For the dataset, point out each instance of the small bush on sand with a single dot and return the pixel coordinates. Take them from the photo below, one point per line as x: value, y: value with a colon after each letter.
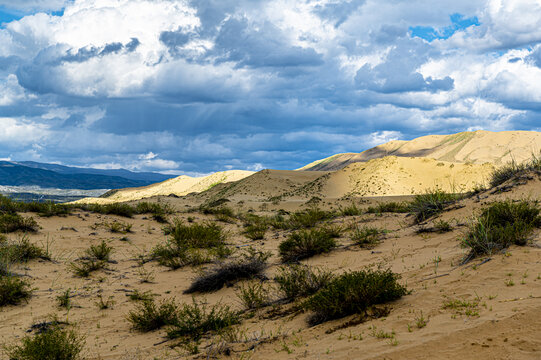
x: 351, y: 210
x: 13, y: 290
x: 48, y: 209
x: 297, y: 281
x: 253, y: 295
x: 307, y: 218
x: 389, y: 207
x: 11, y: 222
x: 255, y: 231
x: 101, y: 252
x: 195, y: 320
x: 502, y: 224
x: 306, y: 243
x: 86, y: 267
x: 366, y: 236
x: 148, y: 316
x: 354, y: 293
x: 54, y: 343
x: 432, y: 203
x: 192, y: 244
x: 512, y: 169
x: 250, y: 264
x: 21, y: 250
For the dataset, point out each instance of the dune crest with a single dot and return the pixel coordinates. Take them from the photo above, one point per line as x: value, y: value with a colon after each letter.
x: 476, y: 147
x: 179, y: 186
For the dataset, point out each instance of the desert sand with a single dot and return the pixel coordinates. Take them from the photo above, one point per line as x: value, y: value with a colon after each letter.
x: 505, y: 323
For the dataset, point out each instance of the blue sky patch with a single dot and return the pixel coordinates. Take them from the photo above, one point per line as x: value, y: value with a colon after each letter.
x: 458, y: 23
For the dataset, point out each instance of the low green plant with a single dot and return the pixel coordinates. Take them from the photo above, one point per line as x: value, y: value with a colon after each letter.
x: 148, y: 316
x: 366, y: 236
x: 442, y: 226
x: 119, y: 227
x: 253, y: 295
x: 354, y: 293
x: 192, y: 244
x: 351, y: 210
x: 430, y: 204
x: 195, y: 320
x: 250, y: 264
x: 101, y: 252
x: 86, y: 267
x: 389, y: 207
x: 64, y: 299
x: 296, y: 281
x: 21, y: 250
x: 513, y: 169
x: 11, y: 222
x: 13, y: 290
x: 255, y: 231
x: 306, y: 243
x: 137, y: 295
x: 55, y: 343
x: 502, y: 224
x: 104, y: 304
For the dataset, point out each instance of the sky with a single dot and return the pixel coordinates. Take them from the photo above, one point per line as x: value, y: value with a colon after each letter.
x: 193, y: 87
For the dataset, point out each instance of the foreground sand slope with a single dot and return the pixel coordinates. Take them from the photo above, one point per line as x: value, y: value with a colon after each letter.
x: 476, y: 147
x: 179, y: 186
x: 504, y: 323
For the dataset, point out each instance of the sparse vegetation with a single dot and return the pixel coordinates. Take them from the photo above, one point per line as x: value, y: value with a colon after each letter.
x: 54, y: 343
x: 86, y: 267
x: 64, y: 299
x: 249, y: 264
x: 306, y: 243
x: 13, y: 290
x: 295, y: 281
x: 502, y: 224
x: 512, y: 169
x: 148, y: 316
x: 192, y: 244
x: 195, y: 320
x: 432, y: 203
x: 21, y: 250
x: 389, y: 207
x: 351, y: 210
x: 253, y: 295
x: 354, y: 293
x: 366, y: 236
x: 101, y: 252
x: 11, y: 222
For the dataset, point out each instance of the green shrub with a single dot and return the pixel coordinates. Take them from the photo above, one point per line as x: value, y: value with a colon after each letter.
x: 148, y: 316
x: 307, y: 218
x: 47, y: 209
x: 389, y: 207
x: 15, y: 222
x: 366, y: 236
x: 255, y: 231
x: 13, y: 290
x: 253, y: 295
x: 195, y: 320
x: 432, y: 203
x: 21, y: 250
x: 64, y: 299
x: 354, y: 293
x: 193, y: 244
x: 306, y: 243
x: 512, y: 169
x: 250, y: 264
x: 351, y: 210
x: 54, y: 343
x: 502, y: 224
x: 296, y: 281
x: 158, y: 211
x: 137, y: 295
x: 101, y: 252
x: 86, y: 267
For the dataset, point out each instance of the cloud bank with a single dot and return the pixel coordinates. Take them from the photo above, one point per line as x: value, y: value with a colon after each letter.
x: 208, y: 85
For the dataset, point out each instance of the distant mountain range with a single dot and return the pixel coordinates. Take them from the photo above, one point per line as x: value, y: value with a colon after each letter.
x: 29, y: 173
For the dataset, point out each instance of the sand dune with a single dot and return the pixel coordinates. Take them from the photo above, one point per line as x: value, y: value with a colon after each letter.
x: 476, y: 147
x: 392, y: 176
x: 179, y: 186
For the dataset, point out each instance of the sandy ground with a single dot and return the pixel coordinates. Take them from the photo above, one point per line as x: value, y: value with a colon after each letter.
x: 507, y: 325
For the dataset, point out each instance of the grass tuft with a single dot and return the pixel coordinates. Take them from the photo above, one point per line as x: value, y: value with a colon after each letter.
x: 502, y: 224
x: 296, y: 281
x: 354, y: 293
x: 306, y: 243
x: 54, y: 343
x: 148, y: 316
x: 250, y: 264
x: 430, y: 204
x: 13, y: 290
x: 366, y: 236
x: 11, y: 222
